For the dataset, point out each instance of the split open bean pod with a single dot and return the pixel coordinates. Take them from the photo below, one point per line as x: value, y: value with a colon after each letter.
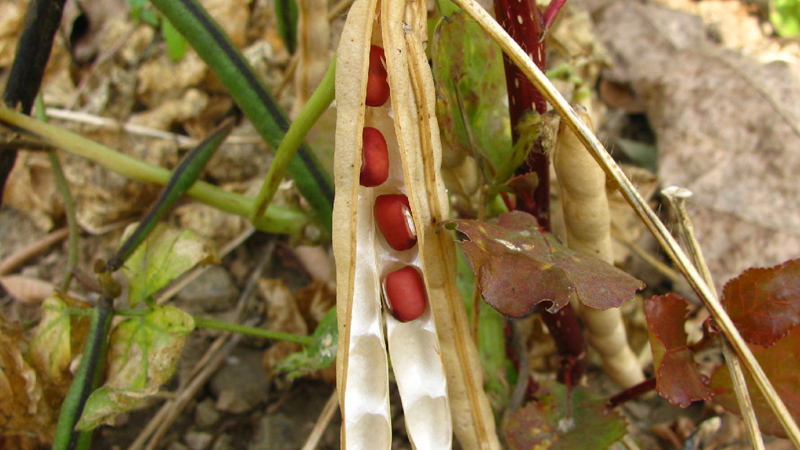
x: 396, y: 286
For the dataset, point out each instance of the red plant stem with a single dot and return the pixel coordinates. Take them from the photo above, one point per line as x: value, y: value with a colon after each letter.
x: 523, y: 21
x: 567, y: 333
x: 632, y: 392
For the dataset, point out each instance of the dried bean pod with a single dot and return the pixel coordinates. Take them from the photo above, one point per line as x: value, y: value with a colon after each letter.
x: 418, y: 137
x: 362, y: 371
x: 588, y: 226
x: 360, y: 258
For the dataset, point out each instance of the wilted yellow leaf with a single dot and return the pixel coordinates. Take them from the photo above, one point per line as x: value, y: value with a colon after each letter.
x: 142, y: 355
x: 49, y: 351
x: 163, y: 256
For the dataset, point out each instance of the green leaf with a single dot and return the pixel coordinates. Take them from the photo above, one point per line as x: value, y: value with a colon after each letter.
x: 472, y: 103
x: 142, y: 355
x: 641, y: 154
x: 785, y: 17
x: 286, y: 15
x: 530, y: 127
x: 491, y: 338
x: 137, y: 3
x: 319, y: 355
x: 562, y: 420
x: 162, y: 257
x: 326, y: 338
x: 149, y: 17
x: 136, y: 8
x: 176, y: 43
x: 106, y: 402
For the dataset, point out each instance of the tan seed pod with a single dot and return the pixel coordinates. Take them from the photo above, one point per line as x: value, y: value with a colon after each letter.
x: 588, y: 226
x: 420, y: 348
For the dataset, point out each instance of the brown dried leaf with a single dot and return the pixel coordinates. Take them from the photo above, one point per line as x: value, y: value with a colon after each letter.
x: 11, y: 15
x: 764, y: 303
x: 28, y: 290
x: 519, y: 266
x: 23, y: 408
x: 679, y: 380
x: 31, y: 188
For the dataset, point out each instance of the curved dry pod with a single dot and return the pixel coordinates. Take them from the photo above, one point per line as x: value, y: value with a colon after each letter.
x: 588, y: 226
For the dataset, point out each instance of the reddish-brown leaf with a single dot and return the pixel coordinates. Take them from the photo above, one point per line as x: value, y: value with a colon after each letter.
x: 677, y: 377
x: 558, y: 421
x: 519, y: 266
x: 764, y: 304
x: 781, y: 364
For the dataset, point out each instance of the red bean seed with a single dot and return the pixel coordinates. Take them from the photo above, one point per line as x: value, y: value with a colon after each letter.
x: 405, y: 295
x: 377, y: 85
x: 374, y: 158
x: 393, y: 216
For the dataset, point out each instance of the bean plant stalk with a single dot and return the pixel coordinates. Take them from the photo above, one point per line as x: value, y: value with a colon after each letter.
x: 524, y: 22
x: 642, y: 209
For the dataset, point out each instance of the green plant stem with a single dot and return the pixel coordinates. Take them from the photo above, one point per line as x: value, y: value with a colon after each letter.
x: 233, y: 71
x: 252, y: 331
x: 218, y: 325
x: 72, y: 223
x: 277, y: 219
x: 311, y: 112
x: 85, y: 381
x: 69, y: 205
x: 183, y: 177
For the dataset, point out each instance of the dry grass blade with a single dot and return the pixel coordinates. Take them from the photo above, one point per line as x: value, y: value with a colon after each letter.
x: 324, y: 419
x: 648, y: 216
x: 677, y: 198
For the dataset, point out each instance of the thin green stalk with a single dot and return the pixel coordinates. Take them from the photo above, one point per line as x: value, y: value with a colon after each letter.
x: 311, y: 112
x: 222, y: 326
x: 252, y: 331
x: 279, y: 220
x: 230, y: 67
x: 69, y: 205
x: 86, y: 380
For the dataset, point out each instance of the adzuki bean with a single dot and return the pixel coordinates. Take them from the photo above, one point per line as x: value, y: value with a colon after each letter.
x: 374, y: 158
x: 404, y: 292
x: 377, y: 84
x: 393, y: 216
